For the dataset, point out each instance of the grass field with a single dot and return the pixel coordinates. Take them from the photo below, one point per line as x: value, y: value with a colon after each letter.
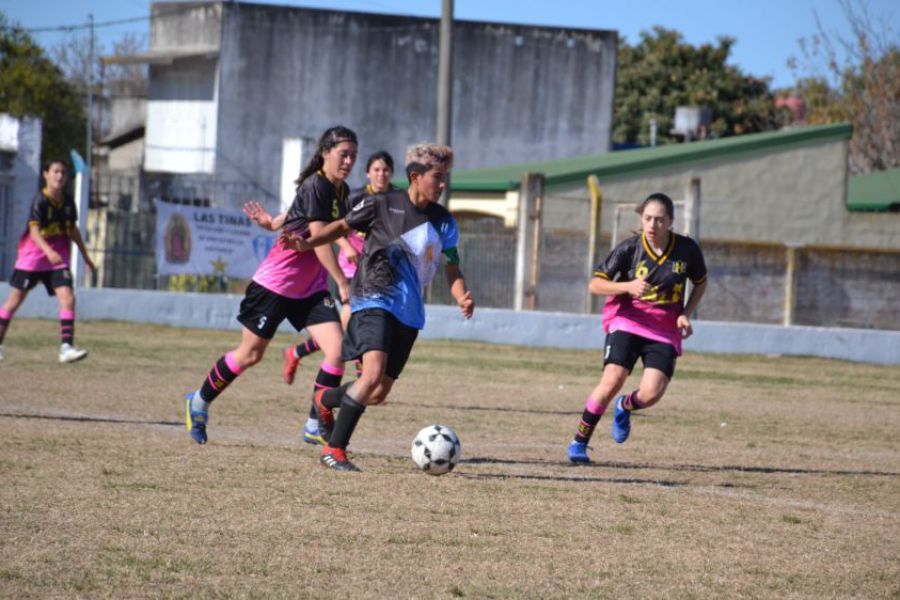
x: 755, y: 477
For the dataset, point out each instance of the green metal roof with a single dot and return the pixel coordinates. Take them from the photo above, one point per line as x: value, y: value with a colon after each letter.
x: 875, y: 191
x: 626, y: 162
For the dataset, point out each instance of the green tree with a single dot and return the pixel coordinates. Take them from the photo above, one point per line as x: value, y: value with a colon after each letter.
x: 663, y: 72
x: 31, y: 85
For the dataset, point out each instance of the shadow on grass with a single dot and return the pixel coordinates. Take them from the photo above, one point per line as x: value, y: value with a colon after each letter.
x: 680, y: 468
x: 626, y: 481
x: 84, y: 419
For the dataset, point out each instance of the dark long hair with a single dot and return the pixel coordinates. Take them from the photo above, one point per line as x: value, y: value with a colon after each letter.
x: 662, y: 199
x: 383, y: 155
x: 331, y: 138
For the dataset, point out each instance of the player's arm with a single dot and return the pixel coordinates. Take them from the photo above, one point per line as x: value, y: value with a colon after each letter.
x: 326, y: 256
x: 602, y: 285
x: 261, y: 216
x: 34, y: 232
x: 457, y: 284
x: 75, y: 234
x: 350, y: 252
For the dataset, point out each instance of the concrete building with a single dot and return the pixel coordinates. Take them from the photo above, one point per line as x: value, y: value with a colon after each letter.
x: 239, y: 92
x: 20, y: 171
x: 785, y: 240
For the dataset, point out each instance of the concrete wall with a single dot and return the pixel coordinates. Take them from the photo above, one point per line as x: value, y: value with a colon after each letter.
x: 185, y: 25
x: 520, y: 93
x: 489, y: 325
x: 22, y: 181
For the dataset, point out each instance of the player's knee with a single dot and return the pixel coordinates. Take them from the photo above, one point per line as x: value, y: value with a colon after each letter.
x: 250, y: 358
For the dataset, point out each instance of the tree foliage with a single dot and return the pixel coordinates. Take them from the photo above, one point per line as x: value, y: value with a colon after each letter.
x: 856, y: 80
x: 662, y: 72
x: 31, y: 85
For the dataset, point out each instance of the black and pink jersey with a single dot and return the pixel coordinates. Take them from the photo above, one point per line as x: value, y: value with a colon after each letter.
x: 54, y: 221
x: 402, y: 253
x: 299, y: 274
x: 654, y: 315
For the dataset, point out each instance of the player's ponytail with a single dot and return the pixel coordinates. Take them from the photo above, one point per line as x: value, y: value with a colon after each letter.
x: 331, y: 138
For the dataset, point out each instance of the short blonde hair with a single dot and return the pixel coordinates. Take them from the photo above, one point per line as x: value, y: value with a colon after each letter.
x: 430, y: 155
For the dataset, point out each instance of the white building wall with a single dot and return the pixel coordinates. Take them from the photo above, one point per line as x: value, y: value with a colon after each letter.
x: 182, y: 117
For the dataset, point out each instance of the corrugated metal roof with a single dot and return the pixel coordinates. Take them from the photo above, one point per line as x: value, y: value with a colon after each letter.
x: 874, y: 191
x: 627, y: 162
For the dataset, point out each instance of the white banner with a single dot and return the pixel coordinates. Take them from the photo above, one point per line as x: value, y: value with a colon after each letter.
x: 208, y: 241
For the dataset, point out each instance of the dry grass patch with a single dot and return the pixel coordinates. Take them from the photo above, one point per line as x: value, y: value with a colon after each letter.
x: 755, y: 477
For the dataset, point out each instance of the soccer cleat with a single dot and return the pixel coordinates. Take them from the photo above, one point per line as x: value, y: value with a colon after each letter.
x: 578, y: 452
x: 621, y: 422
x: 195, y: 420
x: 326, y: 416
x: 69, y: 353
x: 312, y: 436
x: 336, y: 458
x: 289, y: 365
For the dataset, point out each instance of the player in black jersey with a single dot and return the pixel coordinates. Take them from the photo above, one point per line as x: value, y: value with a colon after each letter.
x: 44, y: 254
x: 645, y: 316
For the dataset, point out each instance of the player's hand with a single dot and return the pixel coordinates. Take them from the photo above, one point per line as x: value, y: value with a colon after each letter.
x: 258, y: 214
x: 292, y: 241
x: 54, y: 257
x: 466, y: 305
x: 637, y: 287
x: 344, y: 291
x: 684, y: 326
x: 351, y: 255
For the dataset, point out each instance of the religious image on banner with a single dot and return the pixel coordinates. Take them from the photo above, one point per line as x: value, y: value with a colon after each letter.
x: 208, y: 241
x: 178, y: 240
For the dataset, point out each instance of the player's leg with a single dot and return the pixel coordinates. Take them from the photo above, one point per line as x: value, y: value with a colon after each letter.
x: 345, y: 322
x: 619, y: 357
x: 67, y: 351
x: 328, y: 335
x: 659, y: 366
x: 7, y: 312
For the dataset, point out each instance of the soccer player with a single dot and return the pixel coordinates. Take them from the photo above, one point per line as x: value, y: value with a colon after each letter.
x: 644, y: 316
x: 43, y: 257
x: 291, y: 285
x: 406, y: 232
x: 379, y: 170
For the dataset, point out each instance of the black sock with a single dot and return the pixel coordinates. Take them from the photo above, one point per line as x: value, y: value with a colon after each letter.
x: 4, y: 325
x: 67, y: 330
x: 332, y: 398
x: 306, y: 348
x: 219, y: 378
x: 348, y: 416
x: 589, y: 420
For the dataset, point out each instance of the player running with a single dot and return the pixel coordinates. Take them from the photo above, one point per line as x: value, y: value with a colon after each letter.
x: 291, y: 285
x: 406, y: 231
x: 43, y: 257
x: 379, y: 170
x: 644, y: 316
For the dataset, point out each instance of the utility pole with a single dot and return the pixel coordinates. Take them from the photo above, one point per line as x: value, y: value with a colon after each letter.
x: 445, y: 83
x: 90, y: 101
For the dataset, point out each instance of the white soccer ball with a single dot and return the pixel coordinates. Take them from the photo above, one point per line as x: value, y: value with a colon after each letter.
x: 435, y: 449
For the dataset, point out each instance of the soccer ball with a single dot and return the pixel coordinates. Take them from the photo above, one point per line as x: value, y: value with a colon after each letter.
x: 435, y: 449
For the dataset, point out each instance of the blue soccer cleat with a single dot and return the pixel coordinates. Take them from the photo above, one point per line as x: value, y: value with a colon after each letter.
x: 621, y: 422
x: 578, y: 452
x: 312, y: 436
x: 195, y: 420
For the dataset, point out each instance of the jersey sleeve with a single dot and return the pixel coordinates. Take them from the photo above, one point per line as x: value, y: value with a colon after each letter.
x: 315, y: 201
x: 38, y: 214
x: 617, y: 263
x: 363, y: 214
x: 696, y: 270
x: 449, y: 233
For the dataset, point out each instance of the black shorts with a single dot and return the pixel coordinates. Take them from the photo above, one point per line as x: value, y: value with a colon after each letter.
x: 262, y: 310
x: 623, y: 349
x: 25, y: 280
x: 377, y: 329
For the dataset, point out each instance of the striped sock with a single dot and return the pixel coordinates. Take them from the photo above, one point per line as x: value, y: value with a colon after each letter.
x: 593, y: 410
x: 306, y: 348
x: 220, y: 377
x: 67, y: 326
x: 5, y: 318
x: 631, y: 402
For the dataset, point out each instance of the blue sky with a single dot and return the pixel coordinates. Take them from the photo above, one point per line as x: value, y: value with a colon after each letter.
x: 767, y: 31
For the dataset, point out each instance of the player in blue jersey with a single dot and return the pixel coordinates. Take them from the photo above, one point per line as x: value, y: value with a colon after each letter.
x: 645, y: 316
x: 406, y: 232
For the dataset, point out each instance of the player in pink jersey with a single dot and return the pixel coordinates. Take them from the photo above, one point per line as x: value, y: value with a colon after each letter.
x: 291, y: 285
x: 44, y: 253
x: 379, y: 170
x: 645, y: 316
